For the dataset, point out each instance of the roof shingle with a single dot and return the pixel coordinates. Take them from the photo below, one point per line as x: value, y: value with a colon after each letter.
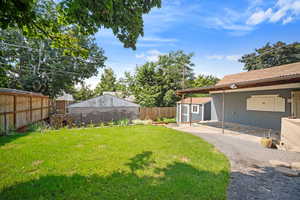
x: 272, y: 72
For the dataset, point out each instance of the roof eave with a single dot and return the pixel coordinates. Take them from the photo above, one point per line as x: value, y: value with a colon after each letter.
x: 246, y: 84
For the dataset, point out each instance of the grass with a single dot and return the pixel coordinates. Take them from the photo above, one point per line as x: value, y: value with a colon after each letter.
x: 133, y: 162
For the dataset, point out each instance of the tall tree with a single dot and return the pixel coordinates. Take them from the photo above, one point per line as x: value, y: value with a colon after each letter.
x: 82, y: 93
x: 203, y: 80
x: 124, y: 18
x: 270, y: 55
x: 34, y: 65
x: 125, y: 85
x: 107, y: 82
x: 155, y: 83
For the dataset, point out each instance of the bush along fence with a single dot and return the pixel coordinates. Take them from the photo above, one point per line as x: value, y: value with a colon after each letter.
x: 155, y: 113
x: 20, y: 108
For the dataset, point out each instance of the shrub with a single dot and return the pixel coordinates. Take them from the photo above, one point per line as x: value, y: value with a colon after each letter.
x: 169, y: 120
x: 123, y: 122
x: 39, y: 127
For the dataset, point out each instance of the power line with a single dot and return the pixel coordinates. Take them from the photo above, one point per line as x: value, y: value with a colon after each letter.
x: 49, y: 71
x: 37, y: 49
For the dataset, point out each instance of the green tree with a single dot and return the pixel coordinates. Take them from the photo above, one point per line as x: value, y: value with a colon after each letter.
x: 204, y: 81
x: 82, y: 93
x: 107, y: 82
x: 270, y: 55
x: 43, y: 18
x: 34, y: 65
x: 125, y: 85
x: 155, y: 83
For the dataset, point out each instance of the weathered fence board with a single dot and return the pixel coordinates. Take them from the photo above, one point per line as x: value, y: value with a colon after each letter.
x: 155, y: 113
x: 20, y: 108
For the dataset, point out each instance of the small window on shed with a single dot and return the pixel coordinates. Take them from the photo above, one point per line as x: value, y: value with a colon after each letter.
x: 195, y: 109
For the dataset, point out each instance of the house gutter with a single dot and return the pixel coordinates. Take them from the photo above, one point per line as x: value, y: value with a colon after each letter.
x: 295, y: 78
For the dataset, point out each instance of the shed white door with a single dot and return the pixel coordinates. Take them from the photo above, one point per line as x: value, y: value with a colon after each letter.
x: 296, y: 104
x: 186, y: 113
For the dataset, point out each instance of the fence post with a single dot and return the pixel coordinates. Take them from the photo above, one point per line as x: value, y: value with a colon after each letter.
x: 30, y: 107
x: 42, y: 108
x: 5, y: 124
x: 15, y: 111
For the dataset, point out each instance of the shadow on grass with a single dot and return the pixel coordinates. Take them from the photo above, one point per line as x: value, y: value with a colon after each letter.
x: 4, y: 139
x: 175, y: 181
x: 9, y: 138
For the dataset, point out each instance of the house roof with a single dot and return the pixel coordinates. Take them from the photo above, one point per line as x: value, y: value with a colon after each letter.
x: 65, y: 97
x: 104, y: 101
x: 195, y: 100
x: 272, y: 72
x: 283, y: 74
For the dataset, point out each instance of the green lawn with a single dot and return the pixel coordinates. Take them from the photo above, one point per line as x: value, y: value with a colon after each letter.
x: 134, y: 162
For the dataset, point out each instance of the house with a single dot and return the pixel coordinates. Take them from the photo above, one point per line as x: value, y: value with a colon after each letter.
x: 103, y: 108
x: 258, y: 98
x: 62, y: 103
x: 193, y: 109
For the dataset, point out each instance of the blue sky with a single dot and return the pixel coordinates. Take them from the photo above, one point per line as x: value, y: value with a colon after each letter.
x: 218, y: 32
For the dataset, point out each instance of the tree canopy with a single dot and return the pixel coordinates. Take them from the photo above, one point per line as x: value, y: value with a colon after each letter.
x: 204, y: 81
x: 155, y: 83
x: 107, y: 82
x: 44, y: 18
x: 82, y: 93
x: 270, y: 55
x: 34, y: 65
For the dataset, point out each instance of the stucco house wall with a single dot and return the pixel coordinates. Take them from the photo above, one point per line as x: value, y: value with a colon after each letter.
x: 236, y: 109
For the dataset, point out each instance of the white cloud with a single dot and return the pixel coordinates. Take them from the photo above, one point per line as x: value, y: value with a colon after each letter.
x: 215, y: 57
x: 284, y: 11
x: 151, y: 55
x: 235, y: 57
x: 259, y: 16
x: 158, y: 39
x: 287, y: 20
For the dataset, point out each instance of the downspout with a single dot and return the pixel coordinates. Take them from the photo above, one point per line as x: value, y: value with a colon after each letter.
x: 223, y: 111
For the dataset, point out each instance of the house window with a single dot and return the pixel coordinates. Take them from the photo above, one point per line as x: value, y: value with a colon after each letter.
x: 195, y: 109
x: 270, y: 103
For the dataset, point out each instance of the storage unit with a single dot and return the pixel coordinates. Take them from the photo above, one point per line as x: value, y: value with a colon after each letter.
x: 193, y: 109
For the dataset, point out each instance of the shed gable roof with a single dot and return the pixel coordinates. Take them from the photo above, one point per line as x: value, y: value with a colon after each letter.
x: 104, y: 101
x: 195, y: 100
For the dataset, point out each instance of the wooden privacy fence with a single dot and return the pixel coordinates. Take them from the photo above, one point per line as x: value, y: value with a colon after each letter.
x: 20, y: 108
x: 155, y: 113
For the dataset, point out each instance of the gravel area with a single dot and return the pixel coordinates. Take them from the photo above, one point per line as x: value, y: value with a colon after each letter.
x: 252, y: 176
